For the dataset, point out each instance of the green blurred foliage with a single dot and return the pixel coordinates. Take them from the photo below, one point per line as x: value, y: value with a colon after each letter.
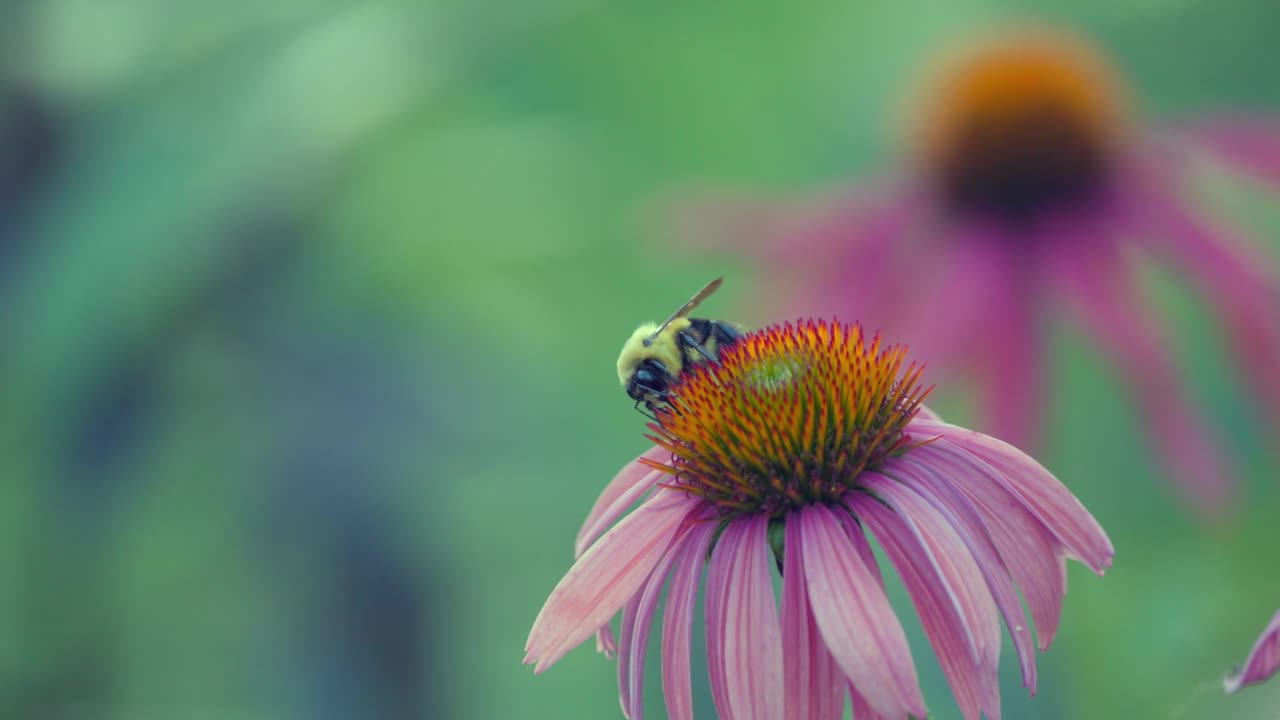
x: 309, y: 311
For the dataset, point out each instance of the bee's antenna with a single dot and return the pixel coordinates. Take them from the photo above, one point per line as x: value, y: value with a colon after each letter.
x: 687, y: 308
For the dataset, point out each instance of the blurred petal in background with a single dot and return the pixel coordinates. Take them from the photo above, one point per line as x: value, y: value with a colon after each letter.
x: 1029, y: 185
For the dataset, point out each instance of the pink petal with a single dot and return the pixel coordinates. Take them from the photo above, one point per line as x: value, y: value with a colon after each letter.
x: 1029, y: 549
x: 940, y: 491
x: 605, y: 644
x: 632, y: 481
x: 1250, y: 144
x: 814, y: 686
x: 749, y: 638
x: 631, y: 661
x: 678, y: 619
x: 854, y: 532
x: 855, y: 618
x: 1263, y: 660
x: 1238, y: 278
x: 629, y: 613
x: 719, y: 571
x: 1100, y: 285
x: 945, y: 585
x: 1009, y: 357
x: 862, y: 709
x: 960, y: 280
x: 605, y: 577
x: 1049, y: 500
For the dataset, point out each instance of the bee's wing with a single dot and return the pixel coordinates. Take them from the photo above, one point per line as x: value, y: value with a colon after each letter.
x: 688, y: 307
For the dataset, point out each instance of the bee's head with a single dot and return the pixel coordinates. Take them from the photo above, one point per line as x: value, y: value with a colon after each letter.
x: 654, y: 364
x: 650, y: 378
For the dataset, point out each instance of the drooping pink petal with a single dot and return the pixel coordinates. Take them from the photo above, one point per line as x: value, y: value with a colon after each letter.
x: 1100, y: 286
x: 814, y: 686
x: 1029, y: 549
x: 605, y: 644
x: 631, y: 663
x: 1048, y: 499
x: 862, y: 709
x: 629, y: 612
x: 621, y: 492
x: 941, y: 537
x: 1239, y: 279
x: 957, y: 280
x: 1263, y: 660
x: 967, y: 521
x: 631, y: 482
x: 719, y: 570
x: 750, y: 640
x: 945, y: 585
x: 854, y: 616
x: 678, y: 619
x: 605, y: 577
x: 1009, y: 354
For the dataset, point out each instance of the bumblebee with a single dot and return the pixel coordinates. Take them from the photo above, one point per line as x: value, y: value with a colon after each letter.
x: 654, y: 355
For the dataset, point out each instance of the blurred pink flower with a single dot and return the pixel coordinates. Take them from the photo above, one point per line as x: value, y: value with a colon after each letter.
x: 800, y: 442
x: 1030, y: 182
x: 1263, y: 660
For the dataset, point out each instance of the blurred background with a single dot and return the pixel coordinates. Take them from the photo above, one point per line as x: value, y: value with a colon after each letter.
x: 309, y: 312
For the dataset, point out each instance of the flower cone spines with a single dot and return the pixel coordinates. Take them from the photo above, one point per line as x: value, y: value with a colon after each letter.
x: 790, y: 416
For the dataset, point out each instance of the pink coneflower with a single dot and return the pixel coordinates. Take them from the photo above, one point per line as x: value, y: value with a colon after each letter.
x: 800, y: 443
x: 1263, y: 660
x: 1030, y: 181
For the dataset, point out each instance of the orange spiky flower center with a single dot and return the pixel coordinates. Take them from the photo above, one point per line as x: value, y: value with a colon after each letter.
x: 791, y: 416
x: 1022, y: 124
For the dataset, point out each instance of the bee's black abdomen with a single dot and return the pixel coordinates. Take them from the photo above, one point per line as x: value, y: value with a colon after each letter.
x: 724, y: 333
x: 704, y: 330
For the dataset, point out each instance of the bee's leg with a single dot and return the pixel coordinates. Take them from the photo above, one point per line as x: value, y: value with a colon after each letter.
x: 650, y: 392
x: 666, y: 404
x: 648, y: 405
x: 689, y: 341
